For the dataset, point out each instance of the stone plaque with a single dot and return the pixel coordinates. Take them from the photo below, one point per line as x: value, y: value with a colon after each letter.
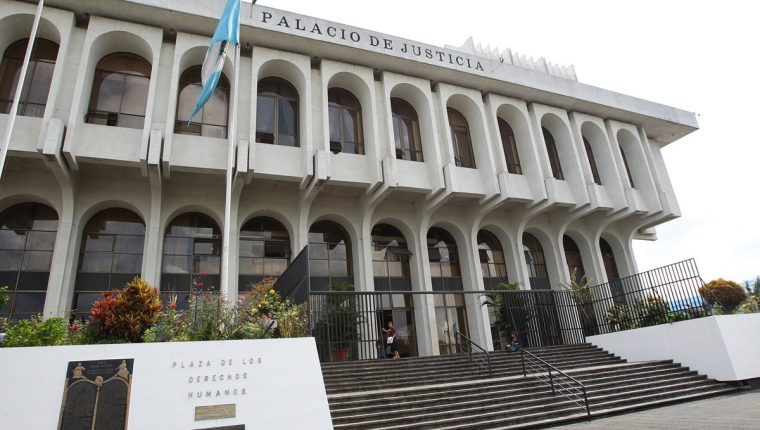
x: 96, y: 395
x: 214, y: 412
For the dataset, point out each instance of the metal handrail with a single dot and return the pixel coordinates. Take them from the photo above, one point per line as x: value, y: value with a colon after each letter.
x: 554, y: 383
x: 482, y: 352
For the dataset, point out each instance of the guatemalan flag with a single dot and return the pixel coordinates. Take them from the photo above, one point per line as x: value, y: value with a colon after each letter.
x: 227, y: 34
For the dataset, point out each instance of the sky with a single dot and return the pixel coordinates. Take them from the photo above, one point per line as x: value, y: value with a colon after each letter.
x: 700, y: 56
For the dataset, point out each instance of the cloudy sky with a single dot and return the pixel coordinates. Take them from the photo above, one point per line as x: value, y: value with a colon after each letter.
x: 701, y: 56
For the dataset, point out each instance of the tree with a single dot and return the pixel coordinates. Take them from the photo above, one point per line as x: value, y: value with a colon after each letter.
x: 757, y: 286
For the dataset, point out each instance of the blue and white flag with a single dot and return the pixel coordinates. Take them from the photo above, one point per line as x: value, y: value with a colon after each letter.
x: 227, y: 33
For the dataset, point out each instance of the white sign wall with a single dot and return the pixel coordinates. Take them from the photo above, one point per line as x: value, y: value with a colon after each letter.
x: 263, y: 384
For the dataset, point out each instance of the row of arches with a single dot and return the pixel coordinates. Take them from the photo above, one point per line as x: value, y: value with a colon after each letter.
x: 120, y: 90
x: 112, y: 243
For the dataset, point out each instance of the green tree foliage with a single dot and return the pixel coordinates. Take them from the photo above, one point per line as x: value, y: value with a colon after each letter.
x: 37, y: 331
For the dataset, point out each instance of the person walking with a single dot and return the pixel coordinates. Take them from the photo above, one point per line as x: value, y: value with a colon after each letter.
x: 391, y: 340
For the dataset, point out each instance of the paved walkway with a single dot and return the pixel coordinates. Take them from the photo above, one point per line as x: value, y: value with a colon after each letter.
x: 739, y: 411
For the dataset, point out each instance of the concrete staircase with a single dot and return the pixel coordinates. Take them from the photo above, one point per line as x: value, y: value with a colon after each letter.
x: 451, y: 392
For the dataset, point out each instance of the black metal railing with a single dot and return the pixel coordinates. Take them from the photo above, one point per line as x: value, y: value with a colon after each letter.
x: 559, y: 381
x: 663, y: 295
x: 474, y: 352
x: 348, y: 325
x: 293, y: 283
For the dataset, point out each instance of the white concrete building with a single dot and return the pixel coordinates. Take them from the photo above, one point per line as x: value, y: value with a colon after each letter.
x: 406, y: 166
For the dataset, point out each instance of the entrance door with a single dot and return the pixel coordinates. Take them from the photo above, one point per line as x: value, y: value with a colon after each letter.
x: 451, y: 317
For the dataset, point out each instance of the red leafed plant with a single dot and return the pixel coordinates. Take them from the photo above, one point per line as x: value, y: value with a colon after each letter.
x: 126, y: 314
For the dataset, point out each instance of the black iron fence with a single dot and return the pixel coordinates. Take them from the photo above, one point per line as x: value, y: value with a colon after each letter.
x: 351, y: 325
x: 560, y: 382
x: 663, y: 295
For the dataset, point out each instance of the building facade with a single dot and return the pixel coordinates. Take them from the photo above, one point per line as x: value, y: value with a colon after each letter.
x: 403, y: 166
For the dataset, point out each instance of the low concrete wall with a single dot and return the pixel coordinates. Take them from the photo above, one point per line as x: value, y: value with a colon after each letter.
x: 723, y: 347
x: 253, y: 384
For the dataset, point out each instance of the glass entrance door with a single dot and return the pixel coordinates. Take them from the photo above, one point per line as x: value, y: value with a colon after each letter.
x: 451, y: 317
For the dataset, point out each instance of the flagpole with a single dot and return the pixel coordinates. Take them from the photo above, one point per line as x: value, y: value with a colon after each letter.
x: 19, y: 88
x: 232, y: 137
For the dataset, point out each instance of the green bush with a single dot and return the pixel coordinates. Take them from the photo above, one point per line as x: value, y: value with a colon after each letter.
x: 170, y: 326
x: 619, y: 317
x: 37, y: 331
x: 125, y: 315
x: 3, y: 296
x: 652, y: 311
x: 748, y: 306
x: 726, y: 294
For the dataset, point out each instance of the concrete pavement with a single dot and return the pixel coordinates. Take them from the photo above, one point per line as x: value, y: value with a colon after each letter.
x: 740, y: 411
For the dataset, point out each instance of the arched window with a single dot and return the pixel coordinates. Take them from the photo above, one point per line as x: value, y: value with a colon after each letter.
x: 491, y: 260
x: 406, y: 131
x: 329, y: 255
x: 346, y: 131
x: 390, y: 259
x: 592, y: 161
x: 573, y: 258
x: 120, y: 91
x: 450, y: 310
x: 536, y: 262
x: 277, y: 113
x: 110, y: 255
x: 611, y: 270
x: 192, y: 256
x: 212, y: 119
x: 27, y: 238
x: 264, y: 250
x: 39, y: 74
x: 509, y: 144
x: 551, y: 150
x: 460, y: 137
x: 627, y: 168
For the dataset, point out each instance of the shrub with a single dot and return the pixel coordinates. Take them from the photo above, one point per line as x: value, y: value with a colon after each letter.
x: 209, y: 317
x: 652, y: 311
x: 749, y: 306
x: 726, y: 294
x: 619, y: 317
x: 170, y: 326
x: 293, y: 320
x: 37, y: 331
x: 3, y: 296
x: 125, y: 315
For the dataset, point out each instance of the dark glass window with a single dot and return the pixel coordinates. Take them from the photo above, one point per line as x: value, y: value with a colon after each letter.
x: 346, y: 131
x: 211, y: 120
x: 573, y: 258
x: 110, y: 254
x: 451, y: 317
x: 406, y: 131
x: 460, y: 137
x: 390, y: 259
x: 443, y: 259
x: 627, y: 168
x: 611, y: 270
x: 536, y: 262
x: 27, y: 239
x: 39, y: 74
x: 509, y: 144
x: 277, y: 113
x: 491, y: 259
x: 120, y: 91
x: 592, y: 161
x: 192, y: 256
x: 264, y: 250
x: 551, y: 150
x: 330, y: 261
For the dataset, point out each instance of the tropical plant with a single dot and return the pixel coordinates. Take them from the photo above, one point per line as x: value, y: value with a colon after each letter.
x: 502, y: 322
x: 652, y: 310
x: 37, y: 331
x: 293, y: 320
x: 125, y: 315
x: 170, y: 326
x: 619, y: 317
x: 3, y: 296
x: 726, y: 294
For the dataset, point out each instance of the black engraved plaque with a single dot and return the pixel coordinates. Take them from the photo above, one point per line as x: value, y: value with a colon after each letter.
x: 96, y: 395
